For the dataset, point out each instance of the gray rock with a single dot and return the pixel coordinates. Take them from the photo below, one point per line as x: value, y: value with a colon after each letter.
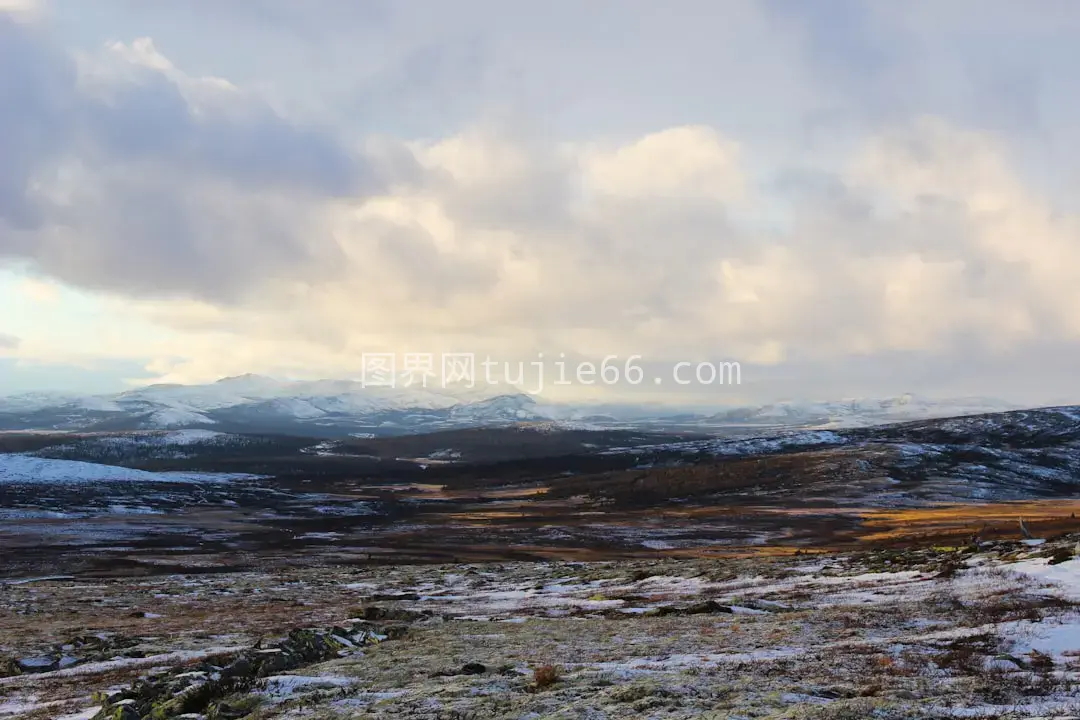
x: 41, y: 663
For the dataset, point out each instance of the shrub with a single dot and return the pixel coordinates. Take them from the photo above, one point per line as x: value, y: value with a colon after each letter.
x: 545, y: 676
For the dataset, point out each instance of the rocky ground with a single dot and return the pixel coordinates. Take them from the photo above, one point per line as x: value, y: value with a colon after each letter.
x: 986, y: 630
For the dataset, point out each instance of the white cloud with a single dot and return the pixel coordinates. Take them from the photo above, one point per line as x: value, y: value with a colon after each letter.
x: 429, y: 267
x: 690, y: 162
x: 40, y: 291
x: 258, y: 243
x: 24, y: 10
x: 129, y: 176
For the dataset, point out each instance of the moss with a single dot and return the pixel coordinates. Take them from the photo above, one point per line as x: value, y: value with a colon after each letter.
x: 234, y: 708
x: 635, y: 692
x: 239, y: 673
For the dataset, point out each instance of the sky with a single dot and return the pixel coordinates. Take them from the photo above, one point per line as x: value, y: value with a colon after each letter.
x: 849, y: 198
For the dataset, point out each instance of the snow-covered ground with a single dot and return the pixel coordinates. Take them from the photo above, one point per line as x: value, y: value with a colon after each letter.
x: 1064, y: 577
x: 25, y: 469
x: 988, y: 631
x: 748, y: 446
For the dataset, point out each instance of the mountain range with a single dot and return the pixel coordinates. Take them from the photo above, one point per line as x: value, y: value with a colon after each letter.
x: 338, y: 408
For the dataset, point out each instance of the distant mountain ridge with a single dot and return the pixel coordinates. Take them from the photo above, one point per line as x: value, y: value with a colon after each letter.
x: 864, y: 411
x: 337, y: 408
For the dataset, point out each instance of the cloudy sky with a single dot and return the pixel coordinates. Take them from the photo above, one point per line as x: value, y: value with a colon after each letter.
x: 849, y: 198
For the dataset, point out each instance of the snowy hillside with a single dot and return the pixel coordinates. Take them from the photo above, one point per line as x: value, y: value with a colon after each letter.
x: 863, y: 411
x: 254, y: 403
x: 26, y: 470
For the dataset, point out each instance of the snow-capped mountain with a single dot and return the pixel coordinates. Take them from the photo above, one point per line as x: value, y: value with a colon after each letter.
x: 860, y: 412
x: 335, y: 408
x: 252, y: 403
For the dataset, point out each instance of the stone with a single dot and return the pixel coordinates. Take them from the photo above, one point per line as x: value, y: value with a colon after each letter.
x: 41, y: 663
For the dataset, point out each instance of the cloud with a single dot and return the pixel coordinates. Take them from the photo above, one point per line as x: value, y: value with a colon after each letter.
x: 40, y: 291
x: 927, y: 243
x: 20, y: 9
x: 838, y: 201
x: 124, y: 174
x: 9, y: 342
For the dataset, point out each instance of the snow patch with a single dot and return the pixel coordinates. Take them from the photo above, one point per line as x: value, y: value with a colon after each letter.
x: 27, y: 470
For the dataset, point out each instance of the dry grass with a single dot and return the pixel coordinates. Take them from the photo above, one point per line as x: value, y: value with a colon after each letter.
x: 819, y: 648
x: 545, y: 676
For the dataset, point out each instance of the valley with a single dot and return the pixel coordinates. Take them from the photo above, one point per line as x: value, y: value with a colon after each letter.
x: 162, y: 501
x: 925, y: 569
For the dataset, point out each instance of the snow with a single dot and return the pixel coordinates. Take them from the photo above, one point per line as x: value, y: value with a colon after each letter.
x: 192, y: 437
x: 513, y: 594
x: 295, y: 407
x: 105, y: 666
x: 657, y: 545
x: 748, y: 446
x: 25, y: 470
x: 554, y: 426
x: 165, y: 406
x: 177, y: 417
x: 166, y: 443
x: 99, y: 404
x: 303, y: 398
x: 44, y: 578
x: 863, y: 412
x: 1051, y: 637
x: 26, y: 402
x: 86, y: 714
x: 20, y: 708
x: 183, y: 398
x: 1064, y: 708
x: 1064, y: 576
x: 175, y: 406
x: 281, y: 686
x: 445, y: 454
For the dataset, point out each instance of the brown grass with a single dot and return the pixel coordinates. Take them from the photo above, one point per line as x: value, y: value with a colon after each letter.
x: 545, y: 676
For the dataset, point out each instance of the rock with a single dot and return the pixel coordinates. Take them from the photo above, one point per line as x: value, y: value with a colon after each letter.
x: 185, y: 689
x: 274, y: 663
x: 237, y: 668
x: 125, y: 712
x: 830, y: 694
x: 395, y: 596
x: 396, y: 632
x: 708, y: 607
x: 469, y: 668
x: 376, y: 613
x: 41, y: 663
x: 1060, y: 555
